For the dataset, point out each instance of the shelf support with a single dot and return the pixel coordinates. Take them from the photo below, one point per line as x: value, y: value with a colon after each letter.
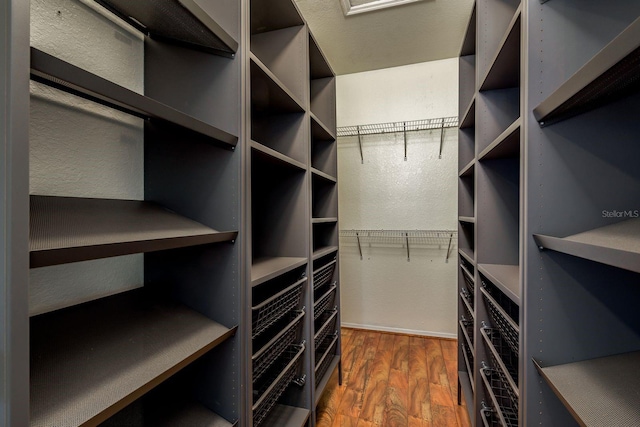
x: 360, y: 145
x: 404, y: 131
x: 359, y: 247
x: 441, y: 139
x: 406, y: 236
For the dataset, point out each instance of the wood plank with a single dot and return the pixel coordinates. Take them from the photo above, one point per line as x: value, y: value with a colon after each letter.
x: 328, y: 406
x: 363, y: 423
x: 352, y: 354
x: 377, y: 381
x: 419, y: 400
x: 397, y: 402
x: 417, y: 422
x: 449, y: 349
x: 344, y: 421
x: 437, y: 368
x: 462, y: 415
x: 351, y: 403
x: 452, y: 377
x: 440, y: 395
x: 401, y: 354
x: 443, y: 416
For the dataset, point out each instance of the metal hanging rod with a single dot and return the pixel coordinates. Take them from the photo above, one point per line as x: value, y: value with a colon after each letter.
x: 399, y: 127
x: 405, y: 238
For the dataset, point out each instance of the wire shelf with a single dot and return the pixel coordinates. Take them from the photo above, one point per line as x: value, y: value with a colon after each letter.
x: 323, y: 275
x: 504, y: 370
x: 499, y: 349
x: 467, y: 297
x: 503, y: 413
x: 328, y: 322
x: 398, y: 237
x: 395, y: 127
x: 325, y: 362
x: 509, y: 330
x: 276, y: 307
x: 468, y: 280
x: 468, y: 360
x: 321, y: 305
x: 264, y: 358
x: 283, y: 373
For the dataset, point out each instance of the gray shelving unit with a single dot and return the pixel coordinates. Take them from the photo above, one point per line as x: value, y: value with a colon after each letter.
x: 546, y: 142
x: 292, y: 225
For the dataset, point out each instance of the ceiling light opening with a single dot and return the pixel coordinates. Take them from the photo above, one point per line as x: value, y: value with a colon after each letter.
x: 353, y: 7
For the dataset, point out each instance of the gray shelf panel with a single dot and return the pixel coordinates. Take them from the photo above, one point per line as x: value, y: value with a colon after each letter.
x: 467, y: 391
x: 54, y: 72
x: 319, y: 67
x: 467, y: 338
x: 287, y: 416
x: 265, y: 269
x: 469, y: 219
x: 320, y: 252
x: 617, y: 244
x: 598, y: 392
x: 325, y: 380
x: 469, y: 41
x: 323, y: 220
x: 92, y: 360
x: 320, y: 130
x: 612, y: 73
x: 269, y: 93
x: 504, y: 70
x: 468, y: 255
x: 177, y: 21
x: 469, y: 117
x: 69, y: 229
x: 505, y: 277
x: 323, y: 175
x: 276, y: 155
x: 507, y: 145
x: 274, y: 15
x: 468, y: 169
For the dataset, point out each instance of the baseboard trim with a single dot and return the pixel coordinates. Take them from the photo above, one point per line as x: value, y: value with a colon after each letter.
x: 400, y: 331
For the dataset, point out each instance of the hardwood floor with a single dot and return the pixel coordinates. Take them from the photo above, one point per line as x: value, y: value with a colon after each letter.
x: 392, y: 380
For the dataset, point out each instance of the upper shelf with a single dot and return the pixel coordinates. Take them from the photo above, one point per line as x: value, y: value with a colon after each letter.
x: 325, y: 250
x: 598, y: 392
x: 467, y: 254
x: 54, y: 72
x: 469, y: 42
x: 272, y: 154
x: 507, y: 145
x: 469, y: 169
x: 92, y: 360
x: 469, y: 117
x: 610, y: 75
x: 319, y: 131
x: 264, y: 269
x: 274, y: 15
x: 269, y: 93
x: 176, y: 21
x: 505, y: 277
x: 504, y: 70
x: 325, y: 176
x: 617, y: 244
x: 319, y: 67
x: 69, y: 229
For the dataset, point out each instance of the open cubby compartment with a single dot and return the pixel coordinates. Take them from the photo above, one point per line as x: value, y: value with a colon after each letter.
x: 466, y: 146
x: 279, y: 41
x: 574, y: 35
x: 322, y: 86
x: 324, y: 149
x: 504, y: 69
x: 497, y: 110
x: 279, y: 209
x: 277, y: 119
x: 494, y: 19
x: 324, y: 197
x: 467, y: 75
x: 498, y: 210
x: 466, y: 196
x: 466, y: 237
x: 325, y: 235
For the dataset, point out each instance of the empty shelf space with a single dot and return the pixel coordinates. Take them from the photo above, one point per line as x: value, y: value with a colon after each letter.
x: 467, y: 219
x: 274, y: 15
x: 617, y: 244
x: 68, y: 229
x: 504, y: 277
x: 268, y: 92
x: 469, y: 117
x: 268, y: 268
x: 178, y: 21
x: 323, y: 220
x: 320, y: 130
x: 504, y: 70
x: 320, y: 252
x: 469, y: 42
x: 276, y: 155
x: 54, y: 72
x: 323, y: 175
x: 507, y: 145
x: 325, y: 379
x: 611, y: 74
x: 319, y: 68
x: 286, y: 416
x: 600, y: 391
x: 467, y: 254
x: 468, y: 169
x: 90, y: 361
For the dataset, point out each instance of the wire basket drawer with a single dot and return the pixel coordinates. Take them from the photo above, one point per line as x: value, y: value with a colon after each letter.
x: 327, y: 350
x: 328, y: 322
x: 325, y: 301
x: 275, y: 382
x: 500, y: 352
x: 276, y: 307
x: 323, y: 275
x: 264, y: 358
x: 509, y: 330
x: 468, y: 281
x: 502, y: 412
x: 468, y: 360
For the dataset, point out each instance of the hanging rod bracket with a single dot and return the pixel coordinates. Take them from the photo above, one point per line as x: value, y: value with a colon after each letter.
x: 359, y: 247
x: 441, y: 139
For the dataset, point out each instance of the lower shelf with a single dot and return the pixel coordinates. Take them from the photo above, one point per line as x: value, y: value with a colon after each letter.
x: 90, y: 361
x: 598, y: 392
x: 322, y: 385
x: 287, y: 416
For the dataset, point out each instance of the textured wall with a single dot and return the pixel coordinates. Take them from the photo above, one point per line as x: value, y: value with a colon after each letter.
x: 78, y: 148
x: 384, y: 291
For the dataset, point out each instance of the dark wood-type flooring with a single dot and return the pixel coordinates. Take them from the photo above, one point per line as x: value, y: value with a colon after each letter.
x: 394, y: 380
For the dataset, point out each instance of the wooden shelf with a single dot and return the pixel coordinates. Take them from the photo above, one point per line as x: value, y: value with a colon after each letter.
x: 468, y: 219
x: 505, y: 146
x: 323, y: 220
x: 617, y: 244
x: 505, y: 277
x: 278, y: 156
x: 176, y: 21
x: 265, y: 269
x: 468, y: 170
x: 269, y: 93
x: 610, y: 75
x: 68, y: 229
x: 504, y: 71
x: 319, y: 130
x: 287, y: 416
x: 469, y: 117
x: 274, y: 15
x: 325, y: 380
x: 320, y: 252
x: 323, y: 175
x: 54, y: 72
x: 598, y: 392
x: 469, y: 42
x: 467, y: 254
x: 92, y: 360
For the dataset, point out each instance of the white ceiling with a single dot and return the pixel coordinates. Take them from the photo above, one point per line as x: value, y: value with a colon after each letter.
x: 427, y: 30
